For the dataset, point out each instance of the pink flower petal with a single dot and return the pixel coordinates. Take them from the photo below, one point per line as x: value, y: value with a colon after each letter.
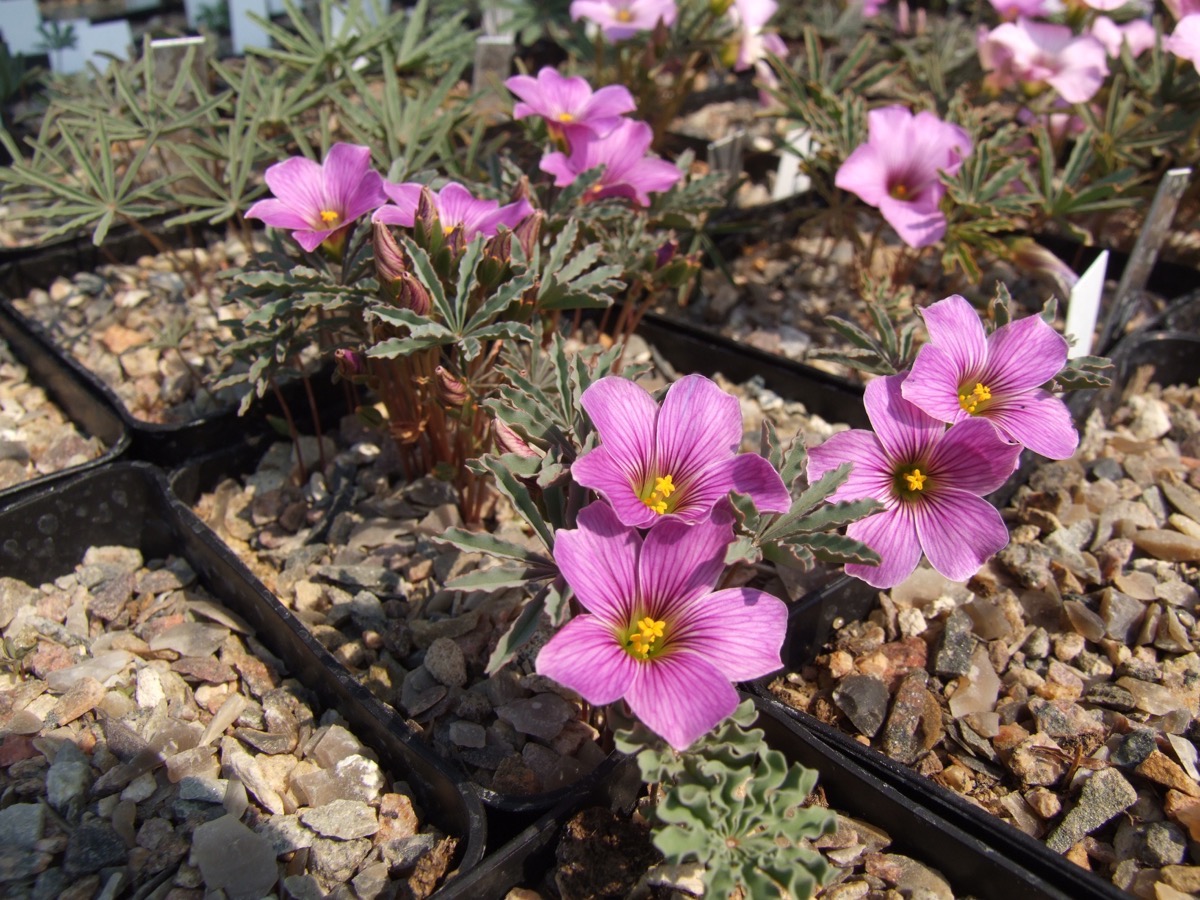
x: 933, y: 384
x: 870, y: 474
x: 972, y: 456
x: 918, y: 225
x: 559, y: 166
x: 959, y: 532
x: 599, y: 560
x: 1022, y: 355
x: 298, y: 183
x: 345, y: 168
x: 740, y: 631
x: 903, y: 429
x: 680, y: 696
x: 893, y: 535
x: 624, y: 414
x: 278, y: 214
x: 614, y: 480
x: 586, y: 656
x: 680, y: 563
x: 954, y: 326
x: 749, y: 473
x: 699, y: 424
x: 1040, y: 421
x: 863, y: 173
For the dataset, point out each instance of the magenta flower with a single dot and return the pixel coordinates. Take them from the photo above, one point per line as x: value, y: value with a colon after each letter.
x: 1138, y: 34
x: 621, y: 19
x: 656, y: 633
x: 1030, y: 54
x: 569, y: 104
x: 963, y: 373
x: 456, y: 209
x: 318, y: 202
x: 628, y: 172
x: 679, y: 460
x: 1181, y: 9
x: 1184, y: 41
x: 896, y: 171
x: 749, y: 17
x: 930, y: 480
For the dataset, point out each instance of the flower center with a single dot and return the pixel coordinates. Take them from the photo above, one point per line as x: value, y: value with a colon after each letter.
x: 656, y: 499
x: 624, y: 15
x: 971, y: 402
x: 329, y: 216
x: 565, y: 117
x: 643, y: 637
x: 899, y: 191
x: 911, y: 483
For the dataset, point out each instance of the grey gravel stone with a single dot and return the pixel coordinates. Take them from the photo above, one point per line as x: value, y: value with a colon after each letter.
x: 67, y: 782
x: 21, y: 825
x: 864, y: 700
x: 234, y: 859
x: 1105, y: 794
x: 342, y: 819
x: 91, y: 847
x: 445, y: 662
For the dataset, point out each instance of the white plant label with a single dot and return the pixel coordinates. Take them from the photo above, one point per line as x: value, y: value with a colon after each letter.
x: 789, y: 177
x: 247, y: 32
x: 1083, y: 307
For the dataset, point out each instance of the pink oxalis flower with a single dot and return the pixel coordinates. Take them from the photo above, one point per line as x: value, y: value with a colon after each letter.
x: 1181, y: 9
x: 569, y: 104
x: 1138, y: 34
x: 656, y: 633
x: 749, y: 18
x: 622, y: 19
x: 1030, y: 54
x: 456, y: 209
x: 896, y: 171
x: 1011, y: 9
x: 1184, y: 41
x: 318, y: 202
x: 962, y: 373
x: 678, y: 460
x: 628, y: 172
x: 930, y: 480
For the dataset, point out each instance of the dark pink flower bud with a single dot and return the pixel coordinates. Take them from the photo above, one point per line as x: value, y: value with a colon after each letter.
x: 451, y: 391
x: 351, y: 364
x: 411, y: 294
x: 666, y: 253
x: 390, y: 261
x: 528, y: 232
x: 508, y: 441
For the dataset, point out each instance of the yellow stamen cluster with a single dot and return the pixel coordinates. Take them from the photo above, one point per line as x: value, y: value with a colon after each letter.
x: 329, y: 216
x: 648, y: 632
x: 624, y: 15
x: 916, y: 481
x: 565, y: 117
x: 663, y: 488
x: 899, y: 191
x: 970, y: 402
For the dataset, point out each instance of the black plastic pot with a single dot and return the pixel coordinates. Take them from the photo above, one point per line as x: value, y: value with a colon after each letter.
x: 1176, y: 358
x: 81, y: 401
x: 508, y: 813
x: 128, y: 504
x: 165, y: 445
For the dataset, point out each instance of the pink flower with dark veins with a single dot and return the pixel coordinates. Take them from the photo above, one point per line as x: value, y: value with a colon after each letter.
x: 628, y: 172
x: 964, y: 373
x: 456, y: 209
x: 569, y: 104
x: 931, y: 481
x: 656, y: 633
x: 622, y: 19
x: 676, y: 460
x: 1030, y: 54
x: 896, y: 171
x: 318, y: 202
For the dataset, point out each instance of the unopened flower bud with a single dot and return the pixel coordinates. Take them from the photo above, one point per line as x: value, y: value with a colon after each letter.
x: 451, y: 391
x: 508, y: 441
x: 351, y: 364
x: 528, y: 233
x: 499, y: 247
x: 666, y: 253
x: 521, y: 191
x: 1031, y: 256
x: 390, y: 261
x: 427, y: 212
x: 411, y: 294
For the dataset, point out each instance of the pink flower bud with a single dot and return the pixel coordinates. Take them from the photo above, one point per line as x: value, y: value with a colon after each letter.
x: 528, y: 232
x: 351, y: 364
x: 508, y: 441
x: 390, y: 261
x: 451, y: 391
x: 411, y: 294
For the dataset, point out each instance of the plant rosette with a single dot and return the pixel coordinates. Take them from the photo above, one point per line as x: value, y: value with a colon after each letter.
x: 1057, y: 688
x: 353, y: 552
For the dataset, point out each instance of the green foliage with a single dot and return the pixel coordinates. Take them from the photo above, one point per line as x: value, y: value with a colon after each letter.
x: 734, y: 805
